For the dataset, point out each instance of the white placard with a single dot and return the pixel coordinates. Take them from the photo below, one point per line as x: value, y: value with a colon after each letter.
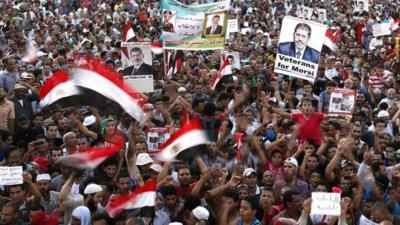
x: 141, y: 83
x: 10, y: 175
x: 365, y: 221
x: 236, y: 59
x: 233, y: 26
x: 324, y: 203
x: 381, y: 29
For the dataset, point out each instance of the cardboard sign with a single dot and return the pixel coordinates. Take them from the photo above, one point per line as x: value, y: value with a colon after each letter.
x: 156, y: 136
x: 324, y: 203
x: 341, y: 102
x: 381, y: 29
x: 233, y: 26
x: 365, y: 221
x: 11, y: 175
x: 141, y: 83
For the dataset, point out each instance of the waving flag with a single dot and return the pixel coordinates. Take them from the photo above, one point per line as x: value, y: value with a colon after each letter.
x: 94, y: 75
x: 330, y: 39
x: 395, y: 24
x: 175, y: 62
x: 190, y: 135
x: 157, y: 48
x: 225, y: 69
x: 57, y: 86
x: 30, y: 53
x: 90, y: 157
x: 139, y: 198
x: 129, y: 34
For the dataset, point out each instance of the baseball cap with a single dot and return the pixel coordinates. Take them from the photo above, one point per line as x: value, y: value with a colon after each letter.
x: 200, y: 213
x: 43, y: 177
x: 143, y: 159
x: 248, y: 171
x: 345, y: 162
x: 26, y: 75
x: 292, y: 161
x: 92, y: 188
x: 156, y: 167
x: 89, y: 120
x: 181, y: 89
x: 383, y: 113
x: 19, y: 86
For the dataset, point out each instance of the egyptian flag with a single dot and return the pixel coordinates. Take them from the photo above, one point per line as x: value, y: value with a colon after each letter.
x: 175, y: 62
x: 30, y: 53
x: 90, y: 157
x: 93, y: 74
x: 395, y: 25
x: 157, y: 48
x: 225, y: 69
x: 238, y: 137
x: 191, y: 134
x: 57, y: 86
x: 129, y: 34
x: 330, y: 39
x: 185, y: 117
x: 144, y: 196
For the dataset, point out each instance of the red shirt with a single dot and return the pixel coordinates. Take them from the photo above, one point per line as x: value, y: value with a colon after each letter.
x: 309, y: 128
x: 268, y: 216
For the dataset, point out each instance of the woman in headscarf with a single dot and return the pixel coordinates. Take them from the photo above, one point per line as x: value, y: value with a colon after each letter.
x: 80, y: 216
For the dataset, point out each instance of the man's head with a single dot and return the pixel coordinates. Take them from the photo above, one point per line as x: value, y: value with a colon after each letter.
x: 292, y: 200
x: 43, y: 183
x: 9, y: 214
x: 215, y: 20
x: 290, y: 168
x: 17, y: 193
x: 380, y: 212
x: 93, y: 195
x: 170, y: 196
x: 70, y: 139
x: 136, y: 56
x: 124, y: 182
x: 167, y: 15
x: 51, y: 131
x: 101, y: 219
x: 55, y: 154
x: 302, y: 34
x: 184, y: 176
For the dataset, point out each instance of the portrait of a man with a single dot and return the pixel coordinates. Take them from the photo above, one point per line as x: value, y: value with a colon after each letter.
x: 138, y: 67
x: 215, y: 28
x: 167, y: 25
x: 298, y: 47
x: 360, y: 9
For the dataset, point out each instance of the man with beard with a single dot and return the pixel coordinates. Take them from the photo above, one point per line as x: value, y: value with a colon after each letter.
x: 92, y: 197
x: 138, y: 66
x: 49, y: 198
x: 7, y: 113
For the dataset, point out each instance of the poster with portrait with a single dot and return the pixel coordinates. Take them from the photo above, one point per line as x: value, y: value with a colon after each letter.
x: 233, y: 58
x: 140, y: 58
x: 299, y: 48
x: 194, y: 27
x: 321, y: 14
x: 361, y: 8
x: 156, y: 136
x: 306, y: 12
x: 341, y: 102
x: 232, y: 27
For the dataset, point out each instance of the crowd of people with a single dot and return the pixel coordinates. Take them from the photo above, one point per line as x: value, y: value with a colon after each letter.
x: 290, y: 147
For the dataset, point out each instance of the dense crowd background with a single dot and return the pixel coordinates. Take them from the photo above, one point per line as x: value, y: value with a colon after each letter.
x: 290, y: 148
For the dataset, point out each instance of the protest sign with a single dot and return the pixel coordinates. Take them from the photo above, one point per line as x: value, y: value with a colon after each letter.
x: 156, y: 136
x: 365, y: 221
x: 381, y: 29
x: 140, y: 58
x: 233, y: 58
x: 233, y: 26
x: 300, y: 44
x: 194, y: 27
x: 306, y: 12
x: 141, y: 83
x: 360, y: 8
x: 10, y: 175
x: 341, y: 102
x: 325, y: 203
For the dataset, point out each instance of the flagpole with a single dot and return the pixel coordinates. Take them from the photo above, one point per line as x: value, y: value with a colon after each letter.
x: 165, y: 63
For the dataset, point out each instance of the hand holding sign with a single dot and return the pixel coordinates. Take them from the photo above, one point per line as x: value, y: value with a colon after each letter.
x: 326, y: 204
x: 10, y: 175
